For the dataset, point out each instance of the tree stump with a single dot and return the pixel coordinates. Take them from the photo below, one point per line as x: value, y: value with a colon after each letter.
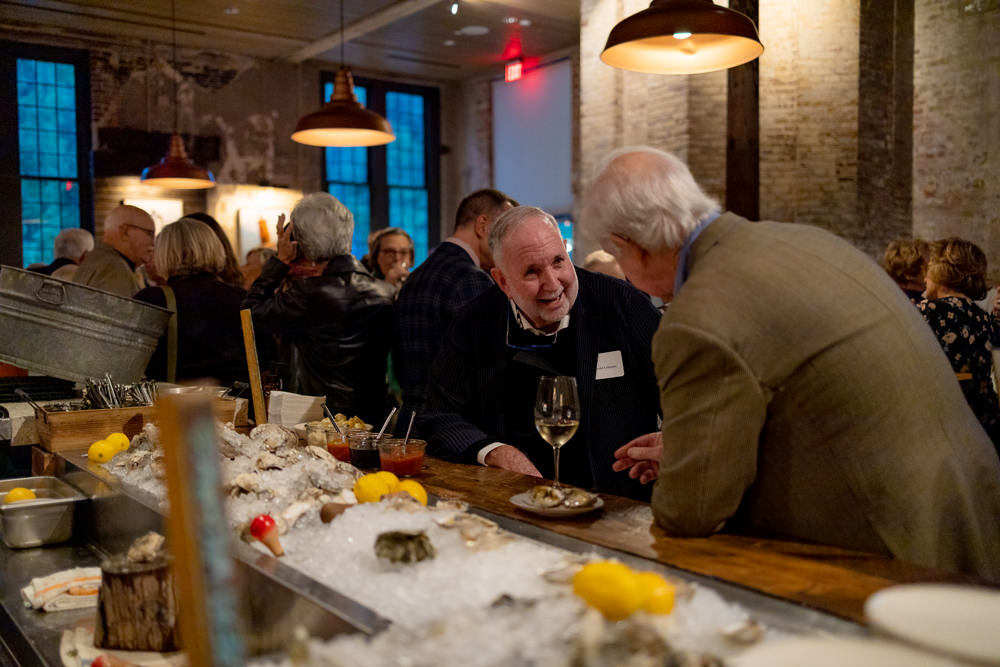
x: 136, y: 607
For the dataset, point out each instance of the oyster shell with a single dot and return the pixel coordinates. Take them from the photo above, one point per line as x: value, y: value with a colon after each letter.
x: 401, y: 547
x: 579, y: 498
x: 544, y: 495
x: 273, y: 436
x: 746, y: 632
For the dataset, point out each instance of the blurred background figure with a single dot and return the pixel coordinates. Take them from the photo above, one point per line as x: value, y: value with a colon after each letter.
x: 905, y: 261
x: 335, y: 328
x: 391, y: 256
x: 956, y: 277
x: 256, y: 259
x: 70, y: 247
x: 604, y: 262
x: 126, y: 244
x: 231, y: 274
x: 209, y: 338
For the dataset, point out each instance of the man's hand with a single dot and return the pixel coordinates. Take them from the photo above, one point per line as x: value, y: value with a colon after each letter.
x: 288, y: 249
x: 641, y: 457
x: 511, y: 458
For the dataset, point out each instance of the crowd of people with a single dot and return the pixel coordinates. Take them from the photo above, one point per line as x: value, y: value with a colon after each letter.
x: 790, y: 386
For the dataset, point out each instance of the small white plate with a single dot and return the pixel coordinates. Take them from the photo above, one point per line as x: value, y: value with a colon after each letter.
x: 835, y: 652
x: 963, y: 621
x: 523, y: 500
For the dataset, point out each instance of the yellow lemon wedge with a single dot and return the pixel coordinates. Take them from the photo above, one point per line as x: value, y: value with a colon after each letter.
x: 610, y: 587
x: 389, y: 478
x: 659, y: 593
x: 119, y: 441
x: 101, y: 451
x: 18, y: 494
x: 370, y: 488
x: 414, y: 489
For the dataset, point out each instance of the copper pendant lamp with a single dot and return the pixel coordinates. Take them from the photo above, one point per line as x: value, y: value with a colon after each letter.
x: 682, y: 37
x: 176, y: 170
x: 343, y: 121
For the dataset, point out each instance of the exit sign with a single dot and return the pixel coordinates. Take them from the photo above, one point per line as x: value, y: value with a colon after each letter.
x: 512, y: 72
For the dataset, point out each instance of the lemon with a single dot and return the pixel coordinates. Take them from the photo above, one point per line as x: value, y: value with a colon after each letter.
x: 18, y: 494
x: 659, y: 593
x: 414, y: 489
x: 370, y: 488
x: 101, y: 451
x: 389, y: 478
x: 610, y: 587
x: 119, y: 440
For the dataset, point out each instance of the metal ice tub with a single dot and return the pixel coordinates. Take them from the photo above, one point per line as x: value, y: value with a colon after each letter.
x: 48, y: 519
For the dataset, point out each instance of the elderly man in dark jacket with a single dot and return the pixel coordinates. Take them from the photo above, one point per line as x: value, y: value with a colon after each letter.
x: 337, y: 326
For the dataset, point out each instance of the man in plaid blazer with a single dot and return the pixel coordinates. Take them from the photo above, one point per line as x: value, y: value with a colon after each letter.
x: 452, y: 276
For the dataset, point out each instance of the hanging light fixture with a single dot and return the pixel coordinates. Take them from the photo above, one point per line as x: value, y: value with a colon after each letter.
x: 682, y: 37
x: 343, y: 121
x: 176, y: 170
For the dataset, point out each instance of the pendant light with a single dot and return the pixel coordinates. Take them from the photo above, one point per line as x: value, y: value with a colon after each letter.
x: 343, y: 121
x: 176, y: 170
x: 682, y: 37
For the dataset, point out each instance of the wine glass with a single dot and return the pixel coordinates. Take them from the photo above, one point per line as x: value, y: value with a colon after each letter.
x: 557, y: 413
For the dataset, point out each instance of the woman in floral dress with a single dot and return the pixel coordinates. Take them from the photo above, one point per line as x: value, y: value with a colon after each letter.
x: 956, y: 278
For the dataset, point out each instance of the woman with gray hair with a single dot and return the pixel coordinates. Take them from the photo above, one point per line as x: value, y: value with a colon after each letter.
x: 204, y: 338
x: 336, y: 327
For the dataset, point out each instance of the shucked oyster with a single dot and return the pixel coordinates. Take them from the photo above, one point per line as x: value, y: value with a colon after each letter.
x: 400, y: 547
x: 579, y: 498
x: 547, y: 496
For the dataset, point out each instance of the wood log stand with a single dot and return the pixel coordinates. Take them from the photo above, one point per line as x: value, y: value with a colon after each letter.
x: 137, y: 607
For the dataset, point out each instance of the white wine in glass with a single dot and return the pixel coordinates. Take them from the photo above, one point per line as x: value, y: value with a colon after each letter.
x: 557, y: 413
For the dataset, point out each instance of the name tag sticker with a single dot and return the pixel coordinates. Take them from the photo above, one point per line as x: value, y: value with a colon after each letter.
x: 610, y: 365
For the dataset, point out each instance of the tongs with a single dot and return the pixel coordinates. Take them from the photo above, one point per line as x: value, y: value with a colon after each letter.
x: 23, y: 395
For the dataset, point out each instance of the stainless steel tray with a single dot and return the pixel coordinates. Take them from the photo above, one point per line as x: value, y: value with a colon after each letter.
x: 48, y: 519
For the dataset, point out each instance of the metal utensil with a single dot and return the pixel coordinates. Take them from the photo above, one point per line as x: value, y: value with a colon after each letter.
x: 386, y: 424
x: 22, y: 394
x: 332, y: 420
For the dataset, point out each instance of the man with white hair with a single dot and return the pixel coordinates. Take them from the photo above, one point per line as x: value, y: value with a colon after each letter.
x: 335, y: 325
x: 543, y: 317
x: 802, y: 395
x: 71, y: 247
x: 127, y: 244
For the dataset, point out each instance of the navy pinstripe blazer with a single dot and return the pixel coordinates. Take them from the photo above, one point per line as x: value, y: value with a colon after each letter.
x: 431, y: 297
x: 469, y: 379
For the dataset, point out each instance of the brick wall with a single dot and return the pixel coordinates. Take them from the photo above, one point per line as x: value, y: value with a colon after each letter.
x: 956, y: 134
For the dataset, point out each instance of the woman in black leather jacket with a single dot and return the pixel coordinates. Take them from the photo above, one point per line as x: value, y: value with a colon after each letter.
x: 336, y: 326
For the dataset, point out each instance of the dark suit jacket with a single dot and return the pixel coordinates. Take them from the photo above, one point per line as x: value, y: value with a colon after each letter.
x: 431, y: 297
x: 471, y: 380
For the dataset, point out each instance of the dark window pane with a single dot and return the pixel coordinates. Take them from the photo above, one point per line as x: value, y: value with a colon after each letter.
x: 26, y: 93
x: 405, y: 156
x: 65, y: 76
x: 46, y: 96
x: 67, y: 121
x: 27, y: 119
x: 28, y: 140
x: 25, y: 70
x: 408, y: 210
x: 358, y: 200
x: 46, y: 72
x: 65, y: 98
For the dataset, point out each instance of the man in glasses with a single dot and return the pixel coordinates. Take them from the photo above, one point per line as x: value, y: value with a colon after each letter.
x: 544, y: 317
x: 127, y: 244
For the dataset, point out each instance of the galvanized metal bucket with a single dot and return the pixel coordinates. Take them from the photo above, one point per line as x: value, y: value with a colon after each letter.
x: 72, y: 331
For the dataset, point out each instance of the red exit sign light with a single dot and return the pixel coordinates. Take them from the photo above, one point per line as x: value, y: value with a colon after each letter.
x: 513, y: 71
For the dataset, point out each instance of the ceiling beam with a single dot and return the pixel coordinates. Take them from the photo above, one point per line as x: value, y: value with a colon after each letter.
x: 366, y: 25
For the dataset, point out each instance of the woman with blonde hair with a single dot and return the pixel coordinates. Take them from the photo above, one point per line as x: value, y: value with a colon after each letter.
x: 955, y: 280
x: 906, y: 261
x: 204, y: 337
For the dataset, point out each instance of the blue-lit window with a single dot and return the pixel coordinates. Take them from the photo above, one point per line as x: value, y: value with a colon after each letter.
x: 566, y: 231
x: 47, y: 155
x: 394, y: 185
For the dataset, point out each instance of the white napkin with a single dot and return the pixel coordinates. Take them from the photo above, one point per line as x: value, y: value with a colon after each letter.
x: 75, y: 588
x: 285, y: 408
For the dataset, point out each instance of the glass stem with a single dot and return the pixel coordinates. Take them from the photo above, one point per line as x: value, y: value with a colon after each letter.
x: 555, y: 455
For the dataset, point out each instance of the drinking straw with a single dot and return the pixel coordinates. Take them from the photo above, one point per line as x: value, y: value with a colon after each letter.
x: 332, y: 420
x: 406, y: 439
x: 386, y: 424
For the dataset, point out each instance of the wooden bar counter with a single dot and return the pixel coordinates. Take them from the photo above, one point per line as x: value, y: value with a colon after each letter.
x: 829, y: 579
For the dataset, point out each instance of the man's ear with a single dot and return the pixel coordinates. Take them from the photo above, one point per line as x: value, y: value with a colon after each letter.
x: 500, y: 279
x: 482, y: 226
